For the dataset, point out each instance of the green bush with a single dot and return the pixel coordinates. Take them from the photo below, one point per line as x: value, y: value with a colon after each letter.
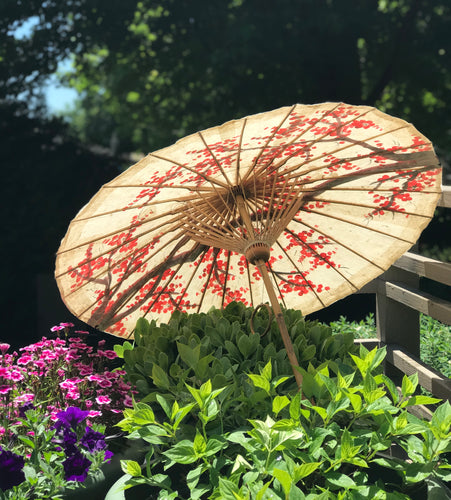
x: 219, y: 346
x: 331, y: 444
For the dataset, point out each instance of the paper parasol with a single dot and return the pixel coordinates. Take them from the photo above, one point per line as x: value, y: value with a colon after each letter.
x: 311, y: 202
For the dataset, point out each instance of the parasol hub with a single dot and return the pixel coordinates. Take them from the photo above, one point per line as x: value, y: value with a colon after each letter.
x: 257, y: 250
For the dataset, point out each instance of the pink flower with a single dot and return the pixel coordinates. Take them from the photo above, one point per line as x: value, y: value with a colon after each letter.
x: 68, y: 384
x: 4, y: 347
x: 16, y: 375
x: 128, y: 401
x: 74, y: 395
x: 24, y: 359
x: 104, y: 383
x: 67, y: 325
x: 95, y: 378
x: 4, y: 372
x: 85, y: 370
x: 24, y: 398
x: 110, y: 354
x: 4, y: 389
x: 56, y: 328
x: 94, y: 413
x: 103, y: 400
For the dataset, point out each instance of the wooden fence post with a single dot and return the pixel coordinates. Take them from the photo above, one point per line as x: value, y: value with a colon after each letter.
x: 396, y: 322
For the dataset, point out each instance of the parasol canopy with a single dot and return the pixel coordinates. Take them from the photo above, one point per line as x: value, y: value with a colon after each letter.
x: 313, y: 201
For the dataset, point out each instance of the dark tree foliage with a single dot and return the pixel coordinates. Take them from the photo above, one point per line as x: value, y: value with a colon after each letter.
x: 150, y: 72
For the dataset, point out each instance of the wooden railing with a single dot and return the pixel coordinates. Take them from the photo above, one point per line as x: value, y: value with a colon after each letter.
x: 399, y: 302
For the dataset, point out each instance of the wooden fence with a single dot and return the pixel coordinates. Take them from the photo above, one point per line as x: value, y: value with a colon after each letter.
x: 399, y: 302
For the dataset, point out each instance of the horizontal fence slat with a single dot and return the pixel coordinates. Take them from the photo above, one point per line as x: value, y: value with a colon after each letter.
x: 423, y: 266
x: 421, y: 301
x: 428, y: 378
x: 370, y: 344
x: 445, y: 199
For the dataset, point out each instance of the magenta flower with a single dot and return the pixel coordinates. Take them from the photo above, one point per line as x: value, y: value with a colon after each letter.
x: 16, y: 375
x: 56, y: 328
x: 24, y: 359
x: 103, y: 400
x: 105, y: 383
x: 4, y: 347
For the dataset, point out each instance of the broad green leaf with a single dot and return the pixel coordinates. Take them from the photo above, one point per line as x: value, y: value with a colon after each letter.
x: 131, y: 467
x: 205, y: 390
x: 159, y: 377
x: 279, y: 403
x: 308, y: 353
x: 181, y: 414
x: 391, y: 387
x: 214, y: 445
x: 246, y: 344
x: 335, y: 407
x: 261, y: 382
x: 420, y: 400
x: 284, y: 479
x: 182, y: 452
x: 340, y: 480
x: 322, y: 412
x: 261, y: 493
x: 379, y: 443
x: 441, y: 420
x: 416, y: 472
x: 189, y: 354
x: 295, y: 406
x: 330, y: 384
x: 199, y: 444
x: 356, y: 401
x: 144, y: 416
x: 304, y: 470
x: 193, y: 476
x: 228, y: 489
x: 196, y: 395
x: 164, y: 404
x: 409, y: 384
x: 267, y: 371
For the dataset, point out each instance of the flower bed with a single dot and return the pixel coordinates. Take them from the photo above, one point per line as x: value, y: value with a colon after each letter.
x: 59, y: 398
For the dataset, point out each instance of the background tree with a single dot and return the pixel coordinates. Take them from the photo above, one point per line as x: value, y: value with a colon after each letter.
x: 151, y: 72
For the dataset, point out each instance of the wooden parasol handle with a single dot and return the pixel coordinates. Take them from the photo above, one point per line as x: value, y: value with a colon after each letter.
x: 261, y: 265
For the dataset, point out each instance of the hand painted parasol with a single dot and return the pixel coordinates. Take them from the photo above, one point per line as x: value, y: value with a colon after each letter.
x: 302, y: 205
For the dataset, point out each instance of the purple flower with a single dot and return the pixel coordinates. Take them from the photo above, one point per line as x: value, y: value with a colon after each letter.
x: 25, y: 407
x: 11, y: 473
x: 93, y: 441
x: 76, y: 467
x: 72, y: 416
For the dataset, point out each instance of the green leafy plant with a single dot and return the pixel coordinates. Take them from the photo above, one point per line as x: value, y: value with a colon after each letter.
x: 435, y: 338
x: 219, y: 346
x: 46, y: 458
x: 332, y: 443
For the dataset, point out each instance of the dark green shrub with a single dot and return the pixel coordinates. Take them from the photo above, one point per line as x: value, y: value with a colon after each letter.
x: 219, y: 346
